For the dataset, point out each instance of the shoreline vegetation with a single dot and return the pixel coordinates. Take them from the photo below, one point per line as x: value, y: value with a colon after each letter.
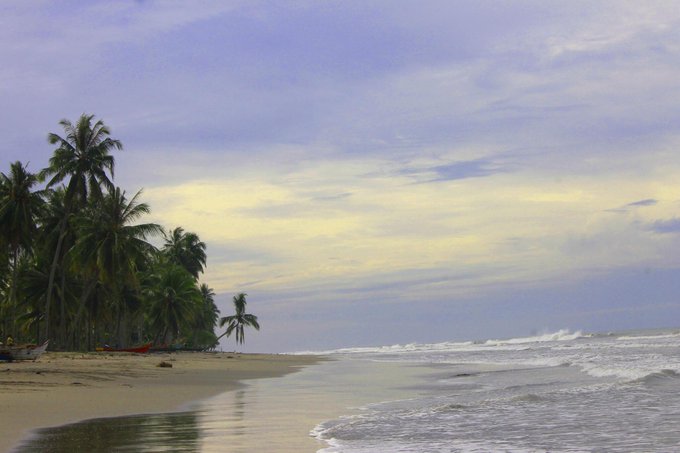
x: 66, y: 387
x: 79, y: 268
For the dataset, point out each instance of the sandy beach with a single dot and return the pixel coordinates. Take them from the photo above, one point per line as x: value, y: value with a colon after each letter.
x: 61, y: 388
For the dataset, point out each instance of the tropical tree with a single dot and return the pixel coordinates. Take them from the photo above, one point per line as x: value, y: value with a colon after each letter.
x: 75, y: 264
x: 201, y: 332
x: 238, y: 321
x: 172, y: 296
x: 82, y: 157
x: 209, y: 311
x: 110, y: 248
x: 185, y: 249
x: 19, y: 209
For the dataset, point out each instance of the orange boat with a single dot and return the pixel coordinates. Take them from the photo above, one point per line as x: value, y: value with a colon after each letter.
x: 139, y: 349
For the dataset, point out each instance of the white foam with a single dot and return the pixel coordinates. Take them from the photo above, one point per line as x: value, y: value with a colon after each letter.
x: 648, y: 337
x: 559, y: 336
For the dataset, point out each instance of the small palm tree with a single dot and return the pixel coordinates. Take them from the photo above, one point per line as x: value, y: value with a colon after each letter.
x: 239, y: 320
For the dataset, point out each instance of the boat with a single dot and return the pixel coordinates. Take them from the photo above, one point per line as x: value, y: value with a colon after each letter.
x: 139, y: 349
x: 175, y: 348
x: 22, y: 352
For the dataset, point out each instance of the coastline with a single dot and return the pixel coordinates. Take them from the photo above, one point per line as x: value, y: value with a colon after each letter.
x: 63, y: 388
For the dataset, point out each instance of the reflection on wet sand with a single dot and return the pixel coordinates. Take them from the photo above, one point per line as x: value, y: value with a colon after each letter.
x: 160, y: 432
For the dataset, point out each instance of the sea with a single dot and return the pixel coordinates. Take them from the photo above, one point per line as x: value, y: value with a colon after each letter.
x: 565, y: 391
x: 558, y: 392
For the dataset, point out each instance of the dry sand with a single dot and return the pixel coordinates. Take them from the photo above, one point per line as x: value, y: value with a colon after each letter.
x: 62, y: 388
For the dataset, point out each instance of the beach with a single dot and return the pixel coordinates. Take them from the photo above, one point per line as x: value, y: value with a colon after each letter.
x: 63, y: 388
x: 560, y: 391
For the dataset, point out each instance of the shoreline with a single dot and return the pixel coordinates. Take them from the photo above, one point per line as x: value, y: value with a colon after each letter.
x: 63, y: 388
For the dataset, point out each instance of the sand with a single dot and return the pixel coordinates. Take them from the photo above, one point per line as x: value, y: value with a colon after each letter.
x: 62, y: 388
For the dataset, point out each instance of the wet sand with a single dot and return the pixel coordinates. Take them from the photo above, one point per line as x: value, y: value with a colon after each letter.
x: 61, y: 388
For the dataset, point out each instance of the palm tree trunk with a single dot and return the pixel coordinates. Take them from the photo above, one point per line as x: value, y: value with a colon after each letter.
x: 63, y: 322
x: 88, y: 337
x: 12, y: 305
x: 217, y: 340
x: 81, y: 308
x: 53, y: 272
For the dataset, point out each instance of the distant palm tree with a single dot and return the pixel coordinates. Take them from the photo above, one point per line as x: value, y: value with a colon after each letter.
x: 83, y: 157
x: 239, y: 320
x: 185, y: 249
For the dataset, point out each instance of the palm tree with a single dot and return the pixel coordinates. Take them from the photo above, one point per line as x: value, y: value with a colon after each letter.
x: 185, y: 249
x: 46, y: 243
x: 201, y: 334
x: 172, y: 295
x: 110, y: 248
x: 110, y: 241
x: 19, y: 208
x: 239, y: 320
x: 83, y: 157
x: 209, y: 311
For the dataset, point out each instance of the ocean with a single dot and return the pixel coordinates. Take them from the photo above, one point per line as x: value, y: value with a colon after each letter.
x: 559, y: 392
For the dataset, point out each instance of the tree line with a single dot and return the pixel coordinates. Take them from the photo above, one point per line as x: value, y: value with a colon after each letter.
x: 78, y: 267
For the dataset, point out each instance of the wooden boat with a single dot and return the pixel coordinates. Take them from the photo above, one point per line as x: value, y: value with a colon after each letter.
x: 22, y: 352
x: 175, y: 348
x: 139, y: 349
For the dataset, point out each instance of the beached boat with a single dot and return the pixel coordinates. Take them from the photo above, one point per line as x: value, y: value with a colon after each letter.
x: 139, y: 349
x: 22, y: 352
x: 175, y: 348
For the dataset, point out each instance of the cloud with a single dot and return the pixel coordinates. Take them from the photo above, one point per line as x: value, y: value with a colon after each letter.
x: 666, y: 226
x: 645, y: 202
x: 462, y: 170
x: 300, y: 152
x: 476, y: 168
x: 635, y: 204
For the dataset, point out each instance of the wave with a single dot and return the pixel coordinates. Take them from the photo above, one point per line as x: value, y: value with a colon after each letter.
x: 396, y: 348
x: 663, y: 375
x: 560, y: 335
x: 629, y: 373
x: 648, y: 337
x: 528, y: 398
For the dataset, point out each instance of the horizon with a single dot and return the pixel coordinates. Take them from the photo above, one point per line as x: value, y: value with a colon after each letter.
x: 387, y: 172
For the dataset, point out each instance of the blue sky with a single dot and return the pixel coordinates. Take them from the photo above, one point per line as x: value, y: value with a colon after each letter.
x: 387, y: 171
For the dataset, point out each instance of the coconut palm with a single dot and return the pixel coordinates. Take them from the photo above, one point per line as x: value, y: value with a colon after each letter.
x: 109, y: 239
x: 185, y: 249
x: 83, y: 157
x: 111, y: 248
x: 19, y: 208
x: 172, y: 296
x: 238, y: 321
x: 201, y: 333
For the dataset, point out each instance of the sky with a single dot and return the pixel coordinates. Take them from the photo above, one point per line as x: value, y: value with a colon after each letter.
x: 382, y: 172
